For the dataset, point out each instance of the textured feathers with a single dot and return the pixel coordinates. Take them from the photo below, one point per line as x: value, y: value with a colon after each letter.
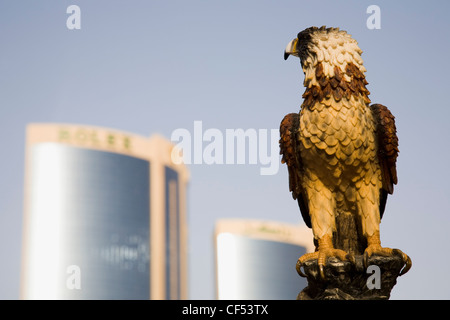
x: 336, y: 86
x: 387, y: 150
x: 289, y: 150
x: 387, y: 145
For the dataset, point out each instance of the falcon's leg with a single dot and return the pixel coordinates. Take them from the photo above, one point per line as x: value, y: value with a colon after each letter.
x: 370, y: 219
x: 374, y: 248
x: 322, y: 208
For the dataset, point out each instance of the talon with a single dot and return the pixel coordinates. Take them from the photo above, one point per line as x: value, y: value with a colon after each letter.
x: 408, y: 265
x: 299, y: 269
x: 301, y: 260
x: 406, y: 260
x: 322, y: 273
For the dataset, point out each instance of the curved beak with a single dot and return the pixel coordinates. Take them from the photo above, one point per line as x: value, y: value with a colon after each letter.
x: 291, y: 49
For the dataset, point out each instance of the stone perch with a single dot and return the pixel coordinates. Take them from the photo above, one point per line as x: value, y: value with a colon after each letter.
x: 345, y: 280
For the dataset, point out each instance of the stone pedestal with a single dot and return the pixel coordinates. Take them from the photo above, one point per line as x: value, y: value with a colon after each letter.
x: 345, y: 280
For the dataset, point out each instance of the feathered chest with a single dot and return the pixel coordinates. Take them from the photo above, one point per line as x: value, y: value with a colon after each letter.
x: 339, y: 134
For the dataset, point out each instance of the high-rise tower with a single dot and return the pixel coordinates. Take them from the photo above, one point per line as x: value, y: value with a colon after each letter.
x: 104, y: 216
x: 255, y: 259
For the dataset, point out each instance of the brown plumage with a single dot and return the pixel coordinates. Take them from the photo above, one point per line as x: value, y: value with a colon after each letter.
x: 340, y: 152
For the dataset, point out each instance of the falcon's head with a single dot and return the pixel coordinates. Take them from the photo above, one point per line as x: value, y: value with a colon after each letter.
x: 330, y: 47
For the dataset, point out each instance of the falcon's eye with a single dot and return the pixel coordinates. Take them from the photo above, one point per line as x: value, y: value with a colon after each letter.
x: 304, y: 36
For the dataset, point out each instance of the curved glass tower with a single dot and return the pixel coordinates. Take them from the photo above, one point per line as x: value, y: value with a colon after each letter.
x: 255, y: 260
x: 95, y: 221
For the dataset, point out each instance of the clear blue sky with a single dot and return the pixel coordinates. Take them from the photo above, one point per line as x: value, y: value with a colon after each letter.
x: 156, y: 66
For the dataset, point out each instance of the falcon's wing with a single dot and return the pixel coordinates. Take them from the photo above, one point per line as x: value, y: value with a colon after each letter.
x: 289, y: 149
x: 387, y: 150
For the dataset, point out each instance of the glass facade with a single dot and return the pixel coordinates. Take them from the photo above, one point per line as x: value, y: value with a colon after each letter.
x: 104, y: 215
x: 87, y: 234
x: 255, y: 268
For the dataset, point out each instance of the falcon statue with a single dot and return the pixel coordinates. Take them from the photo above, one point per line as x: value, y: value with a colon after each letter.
x: 340, y: 151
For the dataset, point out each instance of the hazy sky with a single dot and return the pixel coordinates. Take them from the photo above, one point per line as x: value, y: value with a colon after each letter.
x: 156, y: 66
